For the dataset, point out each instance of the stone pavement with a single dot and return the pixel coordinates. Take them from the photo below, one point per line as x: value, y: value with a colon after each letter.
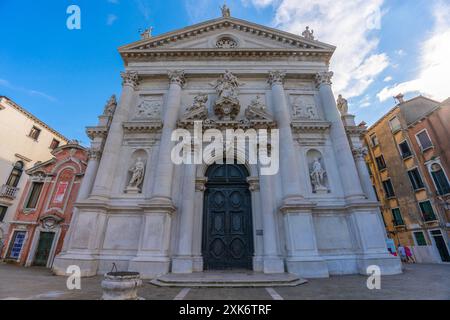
x: 419, y: 281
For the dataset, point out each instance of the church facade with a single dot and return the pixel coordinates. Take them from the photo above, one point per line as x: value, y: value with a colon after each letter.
x: 315, y: 215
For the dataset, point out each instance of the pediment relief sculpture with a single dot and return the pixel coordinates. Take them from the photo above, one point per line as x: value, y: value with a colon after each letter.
x: 198, y: 110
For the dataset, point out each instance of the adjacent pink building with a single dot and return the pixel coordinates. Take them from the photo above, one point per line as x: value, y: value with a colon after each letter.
x: 42, y: 219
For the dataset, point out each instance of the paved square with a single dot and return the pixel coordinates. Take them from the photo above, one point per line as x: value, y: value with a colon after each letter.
x: 420, y: 281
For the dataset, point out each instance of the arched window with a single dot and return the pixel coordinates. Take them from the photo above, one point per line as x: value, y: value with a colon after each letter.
x: 15, y: 175
x: 440, y: 180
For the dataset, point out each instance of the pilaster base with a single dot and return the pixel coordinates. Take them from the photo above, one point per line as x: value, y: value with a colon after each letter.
x: 273, y: 265
x: 182, y: 264
x: 389, y: 265
x: 88, y: 264
x: 198, y: 264
x: 307, y: 267
x: 150, y: 267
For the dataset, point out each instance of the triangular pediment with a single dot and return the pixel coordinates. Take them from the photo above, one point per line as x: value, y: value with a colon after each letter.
x: 226, y: 34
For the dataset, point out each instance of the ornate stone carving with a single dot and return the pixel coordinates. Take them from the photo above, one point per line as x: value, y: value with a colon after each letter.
x: 342, y: 105
x: 148, y: 109
x: 257, y: 110
x: 110, y: 106
x: 226, y: 43
x: 146, y: 34
x: 359, y: 153
x: 317, y: 174
x: 137, y: 176
x: 198, y: 110
x: 226, y: 12
x: 94, y: 154
x: 227, y: 105
x: 177, y: 76
x: 200, y: 184
x: 304, y: 109
x: 253, y: 183
x: 276, y: 77
x: 324, y: 78
x: 130, y: 78
x: 308, y: 34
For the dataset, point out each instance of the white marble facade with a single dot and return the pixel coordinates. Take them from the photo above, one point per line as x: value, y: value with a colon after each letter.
x: 317, y: 217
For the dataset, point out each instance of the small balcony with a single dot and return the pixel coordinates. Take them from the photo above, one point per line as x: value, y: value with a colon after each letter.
x: 7, y: 191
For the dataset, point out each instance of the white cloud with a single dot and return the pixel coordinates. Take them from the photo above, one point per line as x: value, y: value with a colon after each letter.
x: 111, y: 19
x: 259, y: 3
x: 350, y: 26
x: 144, y: 9
x: 400, y: 52
x: 434, y: 62
x: 388, y: 79
x: 31, y: 92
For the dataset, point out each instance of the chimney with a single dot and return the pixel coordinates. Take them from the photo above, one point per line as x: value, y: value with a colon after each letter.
x: 399, y: 98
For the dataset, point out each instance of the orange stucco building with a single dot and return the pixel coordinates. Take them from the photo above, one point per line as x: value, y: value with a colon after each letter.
x: 408, y: 157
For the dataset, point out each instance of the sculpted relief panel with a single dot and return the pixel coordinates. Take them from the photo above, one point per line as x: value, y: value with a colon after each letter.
x: 149, y: 108
x: 304, y: 107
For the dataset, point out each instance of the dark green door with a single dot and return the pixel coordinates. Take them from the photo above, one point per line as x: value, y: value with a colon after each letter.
x: 43, y: 248
x: 441, y: 245
x: 227, y: 223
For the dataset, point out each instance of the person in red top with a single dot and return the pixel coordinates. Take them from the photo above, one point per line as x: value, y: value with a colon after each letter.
x: 409, y: 256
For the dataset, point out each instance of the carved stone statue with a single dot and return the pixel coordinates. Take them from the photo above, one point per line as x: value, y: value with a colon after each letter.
x: 318, y: 176
x: 198, y: 110
x: 257, y: 104
x: 342, y: 105
x: 199, y: 102
x: 110, y: 106
x: 227, y: 104
x: 146, y: 34
x: 226, y: 13
x: 137, y: 176
x: 308, y: 34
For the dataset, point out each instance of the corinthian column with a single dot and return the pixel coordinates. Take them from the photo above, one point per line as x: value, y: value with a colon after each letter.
x: 162, y: 188
x: 111, y: 151
x: 302, y: 254
x: 345, y: 163
x: 359, y: 154
x: 183, y: 262
x: 289, y: 166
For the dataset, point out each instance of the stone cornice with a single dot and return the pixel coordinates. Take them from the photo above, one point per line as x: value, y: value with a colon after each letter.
x: 310, y: 126
x: 247, y: 53
x: 96, y: 131
x: 143, y: 126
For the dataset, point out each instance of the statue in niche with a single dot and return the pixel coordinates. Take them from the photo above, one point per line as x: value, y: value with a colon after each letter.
x: 342, y: 105
x: 137, y: 176
x: 318, y: 176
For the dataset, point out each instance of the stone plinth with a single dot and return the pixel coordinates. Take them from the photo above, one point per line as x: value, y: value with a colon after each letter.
x: 121, y: 286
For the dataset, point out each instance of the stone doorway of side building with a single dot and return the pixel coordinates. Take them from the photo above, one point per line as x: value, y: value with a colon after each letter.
x: 43, y: 249
x: 441, y: 245
x: 227, y: 242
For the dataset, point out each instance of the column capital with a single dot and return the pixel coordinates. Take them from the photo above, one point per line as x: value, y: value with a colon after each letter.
x: 359, y: 153
x: 130, y: 78
x: 324, y: 78
x: 276, y: 77
x: 177, y: 76
x: 94, y: 154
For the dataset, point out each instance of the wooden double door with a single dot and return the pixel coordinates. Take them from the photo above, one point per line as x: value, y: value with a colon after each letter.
x: 227, y: 219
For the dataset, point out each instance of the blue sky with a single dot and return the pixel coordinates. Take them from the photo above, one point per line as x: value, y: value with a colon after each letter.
x: 65, y: 76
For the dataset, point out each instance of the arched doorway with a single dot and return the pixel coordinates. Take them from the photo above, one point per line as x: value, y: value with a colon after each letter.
x: 227, y: 219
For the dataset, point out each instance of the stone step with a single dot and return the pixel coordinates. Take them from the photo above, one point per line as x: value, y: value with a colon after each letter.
x: 226, y: 279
